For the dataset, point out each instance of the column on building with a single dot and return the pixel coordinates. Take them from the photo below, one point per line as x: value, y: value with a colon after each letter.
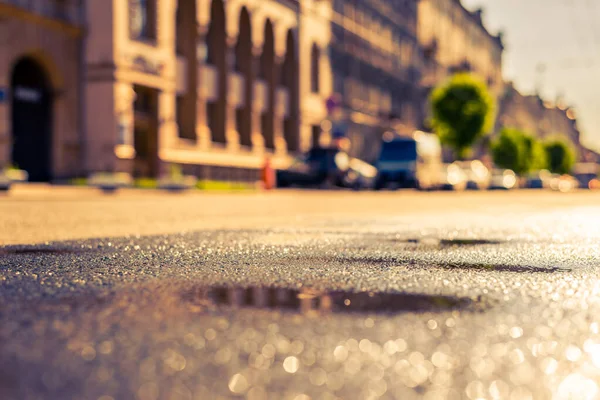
x: 206, y: 89
x: 234, y: 85
x: 166, y: 118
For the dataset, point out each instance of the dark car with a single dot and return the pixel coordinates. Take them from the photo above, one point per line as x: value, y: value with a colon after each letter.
x: 324, y: 168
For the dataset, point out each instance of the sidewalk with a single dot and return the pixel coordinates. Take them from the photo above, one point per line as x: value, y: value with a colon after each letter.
x: 40, y: 213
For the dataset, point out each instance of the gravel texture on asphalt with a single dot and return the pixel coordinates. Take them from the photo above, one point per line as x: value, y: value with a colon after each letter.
x: 473, y: 304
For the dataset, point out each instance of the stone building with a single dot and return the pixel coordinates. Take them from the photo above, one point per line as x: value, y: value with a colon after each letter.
x: 212, y: 85
x: 41, y: 116
x: 376, y: 65
x: 455, y: 39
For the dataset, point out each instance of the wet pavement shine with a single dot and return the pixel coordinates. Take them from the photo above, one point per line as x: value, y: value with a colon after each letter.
x: 471, y: 303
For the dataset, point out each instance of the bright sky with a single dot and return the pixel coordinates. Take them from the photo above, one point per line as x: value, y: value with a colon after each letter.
x: 562, y: 35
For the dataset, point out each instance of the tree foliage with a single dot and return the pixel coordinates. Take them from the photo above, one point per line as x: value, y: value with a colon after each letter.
x: 519, y: 151
x: 535, y: 154
x: 561, y: 155
x: 508, y: 149
x: 462, y: 112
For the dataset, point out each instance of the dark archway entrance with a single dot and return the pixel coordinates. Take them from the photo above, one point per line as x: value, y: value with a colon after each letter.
x: 289, y: 79
x: 31, y: 119
x: 145, y: 133
x: 269, y: 75
x: 243, y: 65
x: 217, y: 57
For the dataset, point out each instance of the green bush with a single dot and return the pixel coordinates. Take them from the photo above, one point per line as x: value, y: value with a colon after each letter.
x: 462, y: 112
x: 508, y: 150
x: 224, y: 185
x: 146, y: 183
x: 561, y: 155
x: 535, y: 154
x: 79, y: 182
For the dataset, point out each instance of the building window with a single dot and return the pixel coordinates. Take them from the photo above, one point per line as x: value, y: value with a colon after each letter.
x: 142, y: 19
x: 62, y: 10
x: 315, y: 58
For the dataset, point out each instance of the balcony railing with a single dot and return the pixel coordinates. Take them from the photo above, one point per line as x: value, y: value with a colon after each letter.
x: 209, y: 81
x: 260, y: 96
x: 69, y: 11
x: 236, y: 89
x: 283, y: 101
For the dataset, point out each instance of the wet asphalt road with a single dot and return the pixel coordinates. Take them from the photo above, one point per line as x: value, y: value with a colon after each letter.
x: 314, y: 296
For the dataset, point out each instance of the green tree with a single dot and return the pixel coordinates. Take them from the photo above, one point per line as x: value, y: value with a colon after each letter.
x: 519, y: 151
x: 561, y: 155
x: 462, y: 112
x: 508, y: 149
x: 535, y: 155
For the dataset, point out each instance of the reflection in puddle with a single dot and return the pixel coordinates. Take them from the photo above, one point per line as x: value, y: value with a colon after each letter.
x: 434, y: 242
x: 38, y: 250
x: 306, y: 300
x: 502, y: 267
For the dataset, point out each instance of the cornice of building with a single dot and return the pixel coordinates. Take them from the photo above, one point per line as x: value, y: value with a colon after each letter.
x: 476, y: 16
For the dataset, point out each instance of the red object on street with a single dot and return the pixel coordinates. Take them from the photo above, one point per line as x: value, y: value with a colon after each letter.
x: 268, y: 175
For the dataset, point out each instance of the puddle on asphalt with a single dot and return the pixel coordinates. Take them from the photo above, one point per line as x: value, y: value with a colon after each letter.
x: 433, y: 242
x: 502, y: 267
x: 309, y: 300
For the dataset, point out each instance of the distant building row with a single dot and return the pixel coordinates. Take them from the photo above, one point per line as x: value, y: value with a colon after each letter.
x: 217, y: 85
x: 541, y: 118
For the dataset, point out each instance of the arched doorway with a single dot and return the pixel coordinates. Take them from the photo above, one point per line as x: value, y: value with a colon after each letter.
x: 31, y: 119
x: 217, y: 56
x: 186, y: 102
x: 289, y: 80
x: 243, y: 66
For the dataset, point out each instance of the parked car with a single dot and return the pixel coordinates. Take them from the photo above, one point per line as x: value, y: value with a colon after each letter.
x: 327, y: 167
x: 409, y: 161
x: 538, y: 180
x: 503, y: 179
x: 453, y: 177
x: 585, y: 173
x: 478, y: 175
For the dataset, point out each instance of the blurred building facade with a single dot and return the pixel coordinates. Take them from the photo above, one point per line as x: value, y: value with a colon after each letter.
x: 376, y: 64
x: 40, y: 73
x: 219, y: 85
x: 213, y: 85
x: 532, y: 114
x: 455, y: 39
